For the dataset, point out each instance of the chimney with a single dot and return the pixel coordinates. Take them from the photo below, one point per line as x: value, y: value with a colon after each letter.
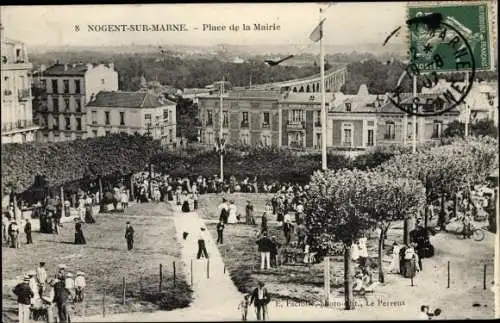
x: 43, y: 68
x: 65, y: 67
x: 111, y: 66
x: 89, y: 66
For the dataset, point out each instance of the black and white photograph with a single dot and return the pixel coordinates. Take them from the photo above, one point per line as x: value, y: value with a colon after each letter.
x: 311, y: 161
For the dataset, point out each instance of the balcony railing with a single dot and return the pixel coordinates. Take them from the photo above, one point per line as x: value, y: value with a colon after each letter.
x: 296, y: 125
x: 19, y: 124
x: 317, y: 124
x: 24, y: 94
x: 245, y: 124
x: 266, y: 125
x: 7, y: 92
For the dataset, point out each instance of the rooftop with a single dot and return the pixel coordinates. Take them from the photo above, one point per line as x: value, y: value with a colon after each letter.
x: 69, y: 69
x: 122, y: 99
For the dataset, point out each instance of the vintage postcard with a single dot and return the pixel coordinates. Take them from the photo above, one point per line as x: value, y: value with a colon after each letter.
x: 250, y: 161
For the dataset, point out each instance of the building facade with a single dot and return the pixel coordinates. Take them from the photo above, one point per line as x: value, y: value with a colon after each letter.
x: 132, y: 113
x: 17, y: 113
x: 61, y: 94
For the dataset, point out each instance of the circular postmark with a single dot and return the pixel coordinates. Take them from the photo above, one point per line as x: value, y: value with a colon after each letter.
x: 437, y: 46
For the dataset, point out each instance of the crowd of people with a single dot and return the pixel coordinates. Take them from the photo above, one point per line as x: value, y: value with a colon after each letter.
x: 41, y: 297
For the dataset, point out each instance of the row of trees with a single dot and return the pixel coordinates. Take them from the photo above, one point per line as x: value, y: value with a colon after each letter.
x: 64, y: 162
x: 345, y: 203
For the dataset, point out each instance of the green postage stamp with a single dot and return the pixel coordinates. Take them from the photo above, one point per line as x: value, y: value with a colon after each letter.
x: 465, y: 24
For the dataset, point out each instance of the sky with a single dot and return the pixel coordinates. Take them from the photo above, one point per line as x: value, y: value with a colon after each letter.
x: 346, y: 23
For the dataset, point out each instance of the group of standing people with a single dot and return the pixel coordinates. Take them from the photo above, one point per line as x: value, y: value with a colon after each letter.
x: 38, y: 295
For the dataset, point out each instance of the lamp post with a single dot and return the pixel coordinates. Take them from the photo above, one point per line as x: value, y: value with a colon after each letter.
x: 221, y: 141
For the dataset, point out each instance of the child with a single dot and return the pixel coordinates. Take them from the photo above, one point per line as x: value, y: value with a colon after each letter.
x: 243, y: 306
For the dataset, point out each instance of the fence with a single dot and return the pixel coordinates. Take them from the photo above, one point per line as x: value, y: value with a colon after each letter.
x: 165, y: 288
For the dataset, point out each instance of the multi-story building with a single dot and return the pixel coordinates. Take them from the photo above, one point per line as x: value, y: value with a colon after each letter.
x: 17, y: 114
x: 249, y: 117
x: 61, y: 93
x: 132, y: 113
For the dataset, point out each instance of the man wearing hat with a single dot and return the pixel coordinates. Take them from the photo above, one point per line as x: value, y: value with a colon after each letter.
x: 62, y: 298
x: 41, y: 277
x: 33, y: 284
x: 61, y: 272
x: 202, y: 250
x: 24, y: 295
x: 80, y: 286
x: 129, y: 235
x: 260, y: 297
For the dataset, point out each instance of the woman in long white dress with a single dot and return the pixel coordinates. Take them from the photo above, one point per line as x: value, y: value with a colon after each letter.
x: 394, y: 267
x: 232, y: 213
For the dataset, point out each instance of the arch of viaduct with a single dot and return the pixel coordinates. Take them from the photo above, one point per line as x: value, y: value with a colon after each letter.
x: 333, y: 82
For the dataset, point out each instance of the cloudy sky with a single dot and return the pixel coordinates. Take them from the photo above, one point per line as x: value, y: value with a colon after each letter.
x: 346, y: 24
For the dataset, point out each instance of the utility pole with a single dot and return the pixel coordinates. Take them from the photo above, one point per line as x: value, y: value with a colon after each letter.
x: 221, y: 140
x: 467, y: 112
x: 415, y: 110
x: 150, y: 194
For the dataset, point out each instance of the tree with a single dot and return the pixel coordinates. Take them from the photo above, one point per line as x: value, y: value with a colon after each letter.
x: 187, y: 119
x: 335, y: 215
x: 388, y: 199
x: 454, y: 129
x: 479, y: 128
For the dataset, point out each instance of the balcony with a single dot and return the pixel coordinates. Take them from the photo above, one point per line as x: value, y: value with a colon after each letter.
x: 24, y: 95
x: 266, y: 126
x: 296, y: 125
x: 245, y: 124
x: 317, y: 124
x: 7, y: 92
x: 18, y: 125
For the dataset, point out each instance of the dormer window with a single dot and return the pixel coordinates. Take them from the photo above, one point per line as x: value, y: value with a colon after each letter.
x: 348, y: 106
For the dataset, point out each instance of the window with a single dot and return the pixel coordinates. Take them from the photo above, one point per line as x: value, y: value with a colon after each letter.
x: 437, y: 130
x: 210, y: 138
x: 224, y: 137
x: 66, y: 104
x: 77, y: 86
x: 68, y: 123
x: 54, y: 87
x: 122, y: 118
x: 209, y: 118
x: 347, y: 134
x: 370, y: 137
x: 79, y: 137
x: 390, y: 130
x: 55, y: 126
x: 55, y: 103
x: 147, y: 117
x: 170, y: 115
x: 165, y: 115
x: 348, y: 106
x: 94, y: 132
x: 46, y: 120
x: 317, y: 123
x: 225, y: 119
x: 267, y: 120
x: 410, y: 130
x: 102, y: 81
x: 170, y: 135
x: 66, y: 86
x: 78, y: 104
x: 43, y: 84
x: 94, y: 117
x: 244, y: 120
x: 244, y: 139
x: 162, y: 131
x: 79, y: 124
x: 296, y: 116
x: 266, y: 140
x: 157, y: 120
x: 108, y: 133
x: 106, y: 117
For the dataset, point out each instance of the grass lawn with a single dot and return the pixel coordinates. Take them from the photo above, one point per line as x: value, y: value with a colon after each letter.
x: 297, y: 282
x: 105, y: 260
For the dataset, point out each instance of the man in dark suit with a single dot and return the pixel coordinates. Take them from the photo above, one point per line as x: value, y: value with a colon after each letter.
x: 129, y: 235
x: 62, y: 297
x: 27, y: 230
x: 220, y: 232
x: 260, y: 298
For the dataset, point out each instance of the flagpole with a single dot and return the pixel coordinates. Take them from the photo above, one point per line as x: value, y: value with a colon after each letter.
x: 324, y: 165
x: 221, y: 119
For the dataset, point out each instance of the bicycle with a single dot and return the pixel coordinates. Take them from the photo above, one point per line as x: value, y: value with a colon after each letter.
x: 476, y: 234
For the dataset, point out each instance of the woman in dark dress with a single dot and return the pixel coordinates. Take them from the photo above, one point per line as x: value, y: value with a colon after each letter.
x: 79, y: 238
